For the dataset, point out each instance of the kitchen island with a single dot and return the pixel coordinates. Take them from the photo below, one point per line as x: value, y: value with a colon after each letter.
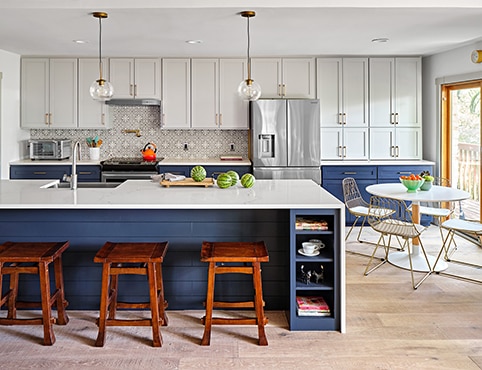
x: 142, y: 210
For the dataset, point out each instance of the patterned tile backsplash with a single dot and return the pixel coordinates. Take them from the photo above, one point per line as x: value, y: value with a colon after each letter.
x: 202, y: 144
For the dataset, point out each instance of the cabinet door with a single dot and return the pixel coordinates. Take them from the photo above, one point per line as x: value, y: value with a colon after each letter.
x: 381, y: 143
x: 355, y: 92
x: 381, y: 90
x: 35, y: 93
x: 233, y: 111
x: 299, y: 78
x: 355, y: 142
x: 408, y: 143
x: 408, y: 88
x: 122, y: 77
x: 92, y: 113
x: 176, y: 93
x: 147, y: 78
x: 267, y: 73
x: 204, y: 93
x: 63, y: 92
x: 329, y: 85
x: 331, y: 144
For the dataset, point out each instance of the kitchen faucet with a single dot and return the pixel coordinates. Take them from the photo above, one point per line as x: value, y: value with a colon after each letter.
x: 73, y: 176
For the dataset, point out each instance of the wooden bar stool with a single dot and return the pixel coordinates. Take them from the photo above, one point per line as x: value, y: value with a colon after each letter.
x: 240, y: 252
x: 34, y: 258
x: 137, y: 259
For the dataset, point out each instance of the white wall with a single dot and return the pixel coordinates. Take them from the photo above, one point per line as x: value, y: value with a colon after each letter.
x: 10, y: 133
x: 449, y: 66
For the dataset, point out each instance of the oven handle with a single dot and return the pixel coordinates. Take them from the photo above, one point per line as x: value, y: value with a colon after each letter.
x: 119, y: 175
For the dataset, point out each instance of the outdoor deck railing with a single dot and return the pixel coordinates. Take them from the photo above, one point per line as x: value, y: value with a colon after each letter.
x: 469, y: 169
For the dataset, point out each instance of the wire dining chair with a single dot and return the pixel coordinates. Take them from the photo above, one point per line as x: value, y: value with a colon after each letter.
x: 394, y: 224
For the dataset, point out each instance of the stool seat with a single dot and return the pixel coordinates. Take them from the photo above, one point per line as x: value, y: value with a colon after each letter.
x: 237, y: 252
x: 34, y: 258
x: 127, y: 259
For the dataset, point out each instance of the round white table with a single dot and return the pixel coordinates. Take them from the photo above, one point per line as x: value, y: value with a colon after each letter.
x: 435, y: 194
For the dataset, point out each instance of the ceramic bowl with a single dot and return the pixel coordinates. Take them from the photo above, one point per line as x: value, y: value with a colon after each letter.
x: 412, y: 185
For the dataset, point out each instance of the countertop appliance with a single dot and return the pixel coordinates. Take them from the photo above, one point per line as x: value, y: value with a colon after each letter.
x: 285, y: 139
x: 121, y: 169
x: 50, y: 149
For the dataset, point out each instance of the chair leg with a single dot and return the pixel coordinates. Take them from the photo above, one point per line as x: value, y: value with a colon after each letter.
x: 154, y: 303
x: 351, y: 228
x: 367, y: 269
x: 12, y: 298
x: 49, y: 336
x: 61, y: 303
x: 104, y: 299
x: 160, y: 296
x: 258, y: 304
x: 430, y: 268
x: 359, y: 231
x: 208, y: 319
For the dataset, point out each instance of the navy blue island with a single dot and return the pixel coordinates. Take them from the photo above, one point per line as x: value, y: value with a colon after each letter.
x: 142, y: 210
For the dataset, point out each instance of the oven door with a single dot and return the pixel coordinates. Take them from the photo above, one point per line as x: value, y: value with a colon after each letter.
x: 120, y: 176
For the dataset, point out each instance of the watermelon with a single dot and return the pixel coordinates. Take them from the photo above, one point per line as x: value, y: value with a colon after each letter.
x: 198, y: 173
x: 234, y: 177
x: 247, y: 180
x: 224, y: 180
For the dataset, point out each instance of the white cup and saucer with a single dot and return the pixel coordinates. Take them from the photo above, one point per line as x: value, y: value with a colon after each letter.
x: 309, y: 249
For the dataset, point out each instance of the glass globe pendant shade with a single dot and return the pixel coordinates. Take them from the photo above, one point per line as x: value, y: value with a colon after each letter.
x: 249, y: 90
x: 101, y: 90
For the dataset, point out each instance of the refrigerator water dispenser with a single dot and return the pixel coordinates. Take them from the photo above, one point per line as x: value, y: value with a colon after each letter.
x: 266, y: 146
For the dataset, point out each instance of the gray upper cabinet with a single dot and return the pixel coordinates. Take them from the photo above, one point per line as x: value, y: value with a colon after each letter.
x: 92, y: 113
x: 285, y: 77
x: 135, y: 78
x: 49, y: 93
x: 176, y: 93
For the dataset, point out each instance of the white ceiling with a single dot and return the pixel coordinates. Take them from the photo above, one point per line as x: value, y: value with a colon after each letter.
x: 281, y: 27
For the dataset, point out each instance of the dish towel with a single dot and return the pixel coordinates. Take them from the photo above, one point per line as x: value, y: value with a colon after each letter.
x: 171, y: 177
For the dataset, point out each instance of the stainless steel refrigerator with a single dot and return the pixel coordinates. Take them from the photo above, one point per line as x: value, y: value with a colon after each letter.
x: 285, y: 139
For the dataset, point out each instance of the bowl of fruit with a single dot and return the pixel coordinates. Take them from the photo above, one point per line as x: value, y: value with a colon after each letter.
x: 412, y: 182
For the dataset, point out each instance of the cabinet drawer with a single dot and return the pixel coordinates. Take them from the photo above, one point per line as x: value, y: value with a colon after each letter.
x: 88, y: 173
x: 394, y: 172
x: 357, y: 172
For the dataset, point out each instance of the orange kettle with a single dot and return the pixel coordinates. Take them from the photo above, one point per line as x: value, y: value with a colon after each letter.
x: 149, y: 152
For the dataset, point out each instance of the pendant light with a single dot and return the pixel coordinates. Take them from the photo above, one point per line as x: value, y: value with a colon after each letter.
x: 249, y: 89
x: 101, y: 89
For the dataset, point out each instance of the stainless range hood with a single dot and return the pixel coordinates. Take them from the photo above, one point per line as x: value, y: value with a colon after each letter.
x: 134, y: 102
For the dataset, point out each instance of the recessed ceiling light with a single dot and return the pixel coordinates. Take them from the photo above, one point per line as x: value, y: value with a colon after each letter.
x: 380, y: 39
x: 194, y: 41
x: 80, y: 41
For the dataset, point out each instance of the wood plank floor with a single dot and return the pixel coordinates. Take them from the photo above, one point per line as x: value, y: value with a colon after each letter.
x: 389, y: 326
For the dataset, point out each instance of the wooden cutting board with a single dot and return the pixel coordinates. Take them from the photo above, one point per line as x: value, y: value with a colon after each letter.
x: 209, y: 181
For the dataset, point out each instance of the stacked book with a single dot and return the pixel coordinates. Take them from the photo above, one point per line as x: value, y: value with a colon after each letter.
x: 310, y: 224
x: 312, y: 306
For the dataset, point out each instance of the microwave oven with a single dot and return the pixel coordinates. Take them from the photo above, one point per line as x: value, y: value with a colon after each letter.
x: 50, y: 149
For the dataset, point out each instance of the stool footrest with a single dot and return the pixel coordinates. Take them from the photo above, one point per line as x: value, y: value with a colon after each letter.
x: 7, y: 270
x: 35, y: 321
x: 133, y: 305
x: 131, y: 322
x: 248, y: 304
x: 234, y: 321
x: 233, y: 270
x: 128, y: 271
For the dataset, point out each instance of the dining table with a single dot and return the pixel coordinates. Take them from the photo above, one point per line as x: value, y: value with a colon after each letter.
x: 436, y: 194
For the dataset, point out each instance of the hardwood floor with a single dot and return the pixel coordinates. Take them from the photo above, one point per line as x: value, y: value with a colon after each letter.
x: 389, y: 326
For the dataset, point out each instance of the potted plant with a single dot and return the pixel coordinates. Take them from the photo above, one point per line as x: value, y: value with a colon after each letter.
x: 427, y: 184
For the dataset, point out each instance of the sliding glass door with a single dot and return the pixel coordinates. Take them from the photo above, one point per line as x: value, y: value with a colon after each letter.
x: 461, y: 142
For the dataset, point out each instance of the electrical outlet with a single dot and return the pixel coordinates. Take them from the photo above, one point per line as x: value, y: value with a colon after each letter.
x: 186, y: 146
x: 231, y: 147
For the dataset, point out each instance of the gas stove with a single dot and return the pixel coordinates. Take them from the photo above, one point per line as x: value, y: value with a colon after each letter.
x: 130, y: 164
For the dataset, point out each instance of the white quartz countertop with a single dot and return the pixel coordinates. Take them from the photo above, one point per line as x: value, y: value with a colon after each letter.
x: 420, y: 162
x: 146, y: 194
x: 164, y: 162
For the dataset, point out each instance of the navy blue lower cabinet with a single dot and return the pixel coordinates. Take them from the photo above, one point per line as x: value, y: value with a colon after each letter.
x: 305, y: 271
x: 86, y: 173
x: 332, y: 177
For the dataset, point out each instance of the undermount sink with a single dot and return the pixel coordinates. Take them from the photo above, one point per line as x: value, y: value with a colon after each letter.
x: 83, y: 185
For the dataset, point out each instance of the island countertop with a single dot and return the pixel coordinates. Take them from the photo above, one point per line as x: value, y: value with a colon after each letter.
x: 146, y: 194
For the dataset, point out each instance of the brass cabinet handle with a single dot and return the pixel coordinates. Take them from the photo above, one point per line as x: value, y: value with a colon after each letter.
x: 40, y: 173
x: 340, y: 118
x: 220, y: 119
x: 46, y: 119
x: 85, y: 173
x: 344, y: 118
x: 163, y: 119
x: 131, y: 89
x: 135, y: 90
x: 344, y: 151
x: 340, y: 154
x: 103, y: 119
x: 279, y: 90
x: 396, y: 118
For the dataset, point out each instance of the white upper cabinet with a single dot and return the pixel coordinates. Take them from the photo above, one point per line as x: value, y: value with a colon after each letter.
x: 401, y: 143
x: 342, y: 88
x: 395, y: 92
x: 176, y: 93
x: 92, y: 113
x: 49, y: 93
x: 214, y: 99
x: 135, y: 78
x: 284, y: 77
